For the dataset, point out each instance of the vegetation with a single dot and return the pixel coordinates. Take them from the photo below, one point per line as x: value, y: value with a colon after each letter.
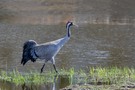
x: 33, y: 77
x: 115, y: 76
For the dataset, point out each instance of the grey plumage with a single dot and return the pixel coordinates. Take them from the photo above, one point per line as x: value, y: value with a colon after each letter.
x: 46, y: 51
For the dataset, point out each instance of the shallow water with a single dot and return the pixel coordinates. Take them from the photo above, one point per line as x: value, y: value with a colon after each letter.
x: 90, y: 45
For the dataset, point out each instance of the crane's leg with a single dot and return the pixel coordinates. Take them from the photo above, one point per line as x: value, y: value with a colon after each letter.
x: 42, y: 68
x: 53, y: 62
x: 55, y: 68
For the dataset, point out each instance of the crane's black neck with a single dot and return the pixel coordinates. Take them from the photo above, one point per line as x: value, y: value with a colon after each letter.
x: 68, y: 31
x: 68, y: 25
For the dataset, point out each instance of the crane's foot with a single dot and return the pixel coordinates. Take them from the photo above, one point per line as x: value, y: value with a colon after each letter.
x: 41, y: 71
x: 55, y: 68
x: 56, y: 72
x: 42, y: 68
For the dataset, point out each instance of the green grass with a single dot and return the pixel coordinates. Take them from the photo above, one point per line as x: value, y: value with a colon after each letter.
x: 95, y: 76
x: 33, y: 77
x: 112, y: 75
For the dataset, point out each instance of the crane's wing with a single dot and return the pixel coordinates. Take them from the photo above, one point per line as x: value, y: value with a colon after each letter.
x: 46, y: 51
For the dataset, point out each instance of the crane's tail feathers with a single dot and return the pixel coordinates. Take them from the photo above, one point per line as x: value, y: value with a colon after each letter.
x: 24, y: 61
x: 26, y: 56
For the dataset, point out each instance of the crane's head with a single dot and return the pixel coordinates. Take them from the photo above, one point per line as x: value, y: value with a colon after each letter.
x: 69, y: 24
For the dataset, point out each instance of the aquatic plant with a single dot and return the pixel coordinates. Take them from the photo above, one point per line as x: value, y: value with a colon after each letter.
x: 33, y: 77
x: 95, y: 76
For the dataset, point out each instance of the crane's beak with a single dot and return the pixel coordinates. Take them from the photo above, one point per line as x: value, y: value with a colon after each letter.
x: 76, y: 25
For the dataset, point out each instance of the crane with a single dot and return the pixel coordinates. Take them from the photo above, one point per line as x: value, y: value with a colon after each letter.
x: 45, y: 51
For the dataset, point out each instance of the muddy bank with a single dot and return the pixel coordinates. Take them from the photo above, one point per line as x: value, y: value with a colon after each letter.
x: 99, y: 87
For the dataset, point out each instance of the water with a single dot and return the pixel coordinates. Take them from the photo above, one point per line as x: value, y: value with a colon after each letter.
x: 62, y: 82
x: 105, y: 36
x: 90, y: 45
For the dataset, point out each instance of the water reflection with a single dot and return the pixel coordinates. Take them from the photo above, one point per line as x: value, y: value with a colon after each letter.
x: 59, y: 82
x: 47, y: 86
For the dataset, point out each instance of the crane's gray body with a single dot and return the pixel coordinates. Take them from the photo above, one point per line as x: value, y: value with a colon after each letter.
x: 47, y: 51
